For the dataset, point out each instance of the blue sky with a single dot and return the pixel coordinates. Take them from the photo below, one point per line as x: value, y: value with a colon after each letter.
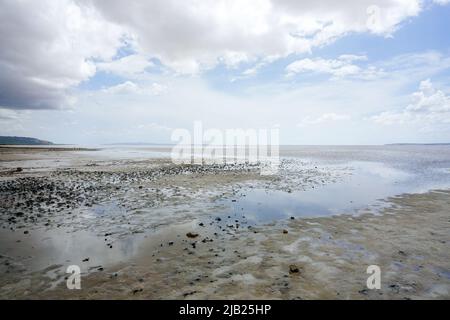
x: 322, y: 74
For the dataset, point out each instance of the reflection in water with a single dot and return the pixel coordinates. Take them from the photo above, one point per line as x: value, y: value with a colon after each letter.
x: 60, y: 248
x: 369, y: 182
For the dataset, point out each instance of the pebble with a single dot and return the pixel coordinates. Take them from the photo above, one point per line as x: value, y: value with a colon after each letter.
x: 192, y: 235
x: 293, y: 269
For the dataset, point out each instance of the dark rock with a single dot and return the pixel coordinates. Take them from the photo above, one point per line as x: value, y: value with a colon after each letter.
x: 293, y: 269
x: 192, y: 235
x: 363, y: 291
x: 137, y: 290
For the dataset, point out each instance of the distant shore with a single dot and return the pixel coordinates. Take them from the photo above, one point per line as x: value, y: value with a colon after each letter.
x: 53, y: 147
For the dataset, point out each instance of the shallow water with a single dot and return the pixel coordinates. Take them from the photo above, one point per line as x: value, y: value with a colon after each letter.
x: 376, y: 173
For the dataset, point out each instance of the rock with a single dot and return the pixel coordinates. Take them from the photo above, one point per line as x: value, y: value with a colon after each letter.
x: 285, y: 231
x: 292, y: 218
x: 25, y: 232
x: 137, y: 290
x: 192, y: 235
x: 86, y: 260
x: 201, y: 224
x: 189, y: 293
x: 363, y: 291
x: 19, y: 169
x: 293, y: 269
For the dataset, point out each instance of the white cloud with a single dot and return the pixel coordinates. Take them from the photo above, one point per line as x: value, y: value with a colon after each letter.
x: 428, y: 106
x: 441, y: 2
x: 47, y: 48
x: 191, y: 36
x: 154, y: 126
x: 6, y: 115
x: 128, y: 66
x: 352, y: 57
x: 339, y: 68
x: 50, y: 47
x: 324, y: 118
x: 129, y: 88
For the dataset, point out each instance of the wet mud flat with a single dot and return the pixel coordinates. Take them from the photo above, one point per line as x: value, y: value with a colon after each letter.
x: 322, y: 258
x: 152, y: 230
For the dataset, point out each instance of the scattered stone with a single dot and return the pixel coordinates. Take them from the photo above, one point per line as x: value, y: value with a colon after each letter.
x: 192, y: 235
x: 189, y: 293
x: 363, y: 291
x: 293, y: 269
x: 137, y: 290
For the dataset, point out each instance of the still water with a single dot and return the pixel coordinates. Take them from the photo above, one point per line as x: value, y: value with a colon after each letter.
x: 377, y: 172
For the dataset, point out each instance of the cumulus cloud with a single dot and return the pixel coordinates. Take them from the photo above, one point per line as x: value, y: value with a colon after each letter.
x: 344, y: 66
x: 50, y: 47
x: 428, y: 106
x: 190, y: 35
x: 47, y: 48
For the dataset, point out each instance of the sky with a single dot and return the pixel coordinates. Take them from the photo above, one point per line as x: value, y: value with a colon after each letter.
x: 322, y: 72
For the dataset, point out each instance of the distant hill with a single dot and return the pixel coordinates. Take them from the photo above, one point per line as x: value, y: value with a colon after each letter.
x: 22, y: 141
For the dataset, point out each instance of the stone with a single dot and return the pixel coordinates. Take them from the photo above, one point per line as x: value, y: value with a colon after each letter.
x: 192, y: 235
x: 293, y: 269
